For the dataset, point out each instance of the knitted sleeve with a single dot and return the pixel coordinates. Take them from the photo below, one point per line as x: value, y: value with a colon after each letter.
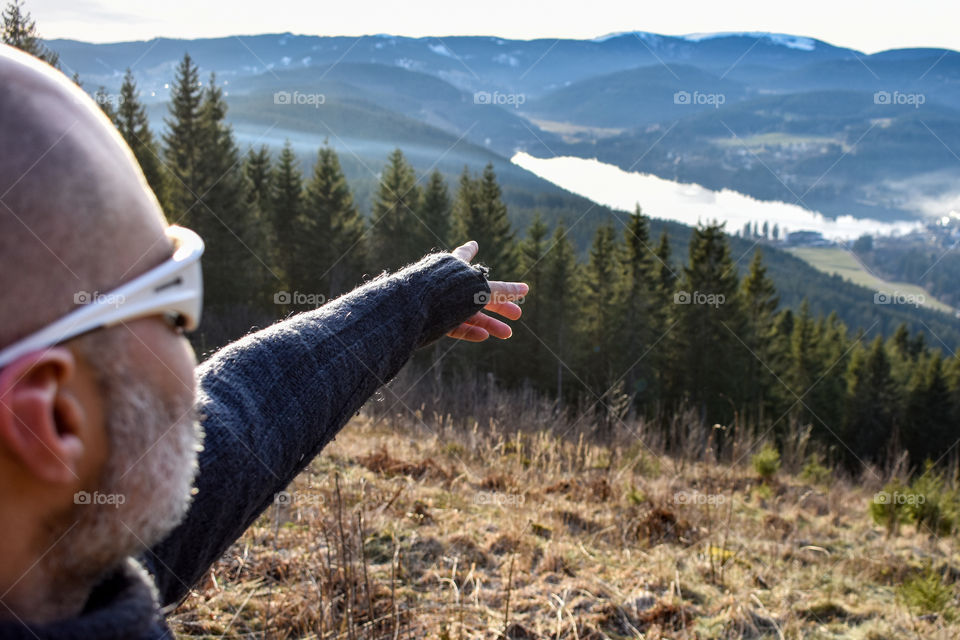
x: 271, y: 401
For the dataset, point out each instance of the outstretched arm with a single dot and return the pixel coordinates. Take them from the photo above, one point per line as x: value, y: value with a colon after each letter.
x: 272, y: 400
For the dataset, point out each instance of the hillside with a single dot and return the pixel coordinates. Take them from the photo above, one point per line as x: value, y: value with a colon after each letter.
x: 436, y: 532
x: 837, y: 150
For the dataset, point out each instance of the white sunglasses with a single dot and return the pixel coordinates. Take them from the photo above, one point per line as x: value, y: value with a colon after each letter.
x: 174, y: 289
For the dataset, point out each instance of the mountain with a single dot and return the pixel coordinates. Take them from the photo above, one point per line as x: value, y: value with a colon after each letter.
x: 799, y: 120
x: 470, y: 63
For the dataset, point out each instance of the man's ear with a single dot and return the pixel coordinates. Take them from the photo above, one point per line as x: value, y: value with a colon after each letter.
x: 40, y: 424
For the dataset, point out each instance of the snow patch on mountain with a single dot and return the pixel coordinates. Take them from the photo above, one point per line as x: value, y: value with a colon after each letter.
x: 441, y: 50
x: 643, y: 35
x: 782, y: 39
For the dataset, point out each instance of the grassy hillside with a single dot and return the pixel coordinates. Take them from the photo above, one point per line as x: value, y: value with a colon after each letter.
x: 843, y: 263
x: 431, y: 532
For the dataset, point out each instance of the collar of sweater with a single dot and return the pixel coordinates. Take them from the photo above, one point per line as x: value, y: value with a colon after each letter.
x: 122, y: 606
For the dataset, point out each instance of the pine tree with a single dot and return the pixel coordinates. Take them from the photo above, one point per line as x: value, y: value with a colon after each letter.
x: 826, y: 398
x: 130, y: 118
x: 709, y: 325
x: 638, y: 298
x: 291, y: 231
x: 338, y: 225
x: 208, y: 193
x: 804, y: 363
x: 560, y: 292
x: 259, y: 172
x: 600, y: 321
x: 759, y: 297
x: 531, y: 359
x: 19, y: 29
x: 667, y: 378
x: 435, y: 212
x: 929, y: 431
x: 104, y: 101
x: 396, y: 232
x: 480, y: 214
x: 870, y: 407
x: 181, y: 143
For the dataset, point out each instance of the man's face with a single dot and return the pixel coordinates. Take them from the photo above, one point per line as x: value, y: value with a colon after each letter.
x: 140, y: 377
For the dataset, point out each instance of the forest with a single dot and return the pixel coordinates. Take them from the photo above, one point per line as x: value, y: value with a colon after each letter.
x: 630, y: 329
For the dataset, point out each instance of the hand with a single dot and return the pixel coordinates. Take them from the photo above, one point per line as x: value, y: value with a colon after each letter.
x: 480, y: 326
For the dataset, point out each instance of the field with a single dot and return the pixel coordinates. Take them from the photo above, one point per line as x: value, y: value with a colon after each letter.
x: 844, y: 264
x: 431, y: 530
x: 761, y: 141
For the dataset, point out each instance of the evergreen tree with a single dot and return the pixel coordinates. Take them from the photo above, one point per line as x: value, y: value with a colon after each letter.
x: 130, y: 118
x: 600, y: 321
x: 208, y: 193
x: 826, y: 398
x: 435, y: 212
x: 871, y: 405
x: 531, y: 356
x: 480, y: 214
x: 560, y: 294
x: 259, y: 172
x: 338, y: 225
x: 181, y: 143
x: 637, y: 337
x: 759, y: 297
x: 929, y: 432
x: 667, y: 378
x: 804, y: 364
x: 19, y: 29
x: 292, y: 231
x: 709, y: 325
x: 104, y: 101
x: 396, y: 233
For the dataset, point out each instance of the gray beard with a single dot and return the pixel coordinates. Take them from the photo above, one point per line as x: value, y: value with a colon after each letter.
x: 147, y: 481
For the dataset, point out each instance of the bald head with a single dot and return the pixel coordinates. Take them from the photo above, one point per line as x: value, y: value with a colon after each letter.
x: 109, y: 411
x: 75, y: 211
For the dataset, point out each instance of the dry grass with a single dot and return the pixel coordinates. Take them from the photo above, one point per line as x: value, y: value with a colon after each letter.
x: 396, y: 531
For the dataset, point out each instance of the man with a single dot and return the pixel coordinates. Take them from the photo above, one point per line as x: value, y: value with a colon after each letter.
x: 111, y: 510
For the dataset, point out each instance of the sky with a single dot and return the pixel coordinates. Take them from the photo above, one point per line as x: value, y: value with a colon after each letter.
x: 866, y: 26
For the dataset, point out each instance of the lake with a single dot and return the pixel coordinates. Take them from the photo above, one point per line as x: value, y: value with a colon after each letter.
x: 691, y: 203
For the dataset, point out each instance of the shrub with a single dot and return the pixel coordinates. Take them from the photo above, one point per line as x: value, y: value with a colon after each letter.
x: 766, y: 462
x: 927, y: 592
x: 887, y: 510
x: 815, y: 473
x: 932, y: 505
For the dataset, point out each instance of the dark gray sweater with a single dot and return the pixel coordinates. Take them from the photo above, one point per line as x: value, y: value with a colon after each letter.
x: 268, y: 404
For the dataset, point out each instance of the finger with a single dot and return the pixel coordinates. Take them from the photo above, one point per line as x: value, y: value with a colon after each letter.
x: 503, y: 291
x: 467, y: 251
x: 469, y: 333
x: 494, y: 327
x: 508, y: 310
